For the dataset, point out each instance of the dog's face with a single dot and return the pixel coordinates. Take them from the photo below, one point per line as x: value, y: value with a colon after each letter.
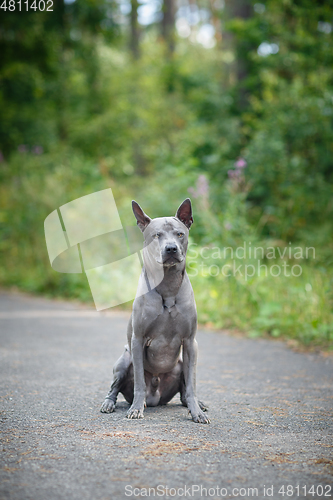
x: 166, y: 237
x: 171, y: 236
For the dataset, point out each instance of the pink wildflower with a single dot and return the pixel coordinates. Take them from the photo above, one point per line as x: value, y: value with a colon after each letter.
x: 240, y: 163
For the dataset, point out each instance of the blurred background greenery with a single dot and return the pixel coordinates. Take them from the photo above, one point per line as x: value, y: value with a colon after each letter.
x: 228, y: 102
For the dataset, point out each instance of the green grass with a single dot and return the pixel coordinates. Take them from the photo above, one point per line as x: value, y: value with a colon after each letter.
x: 298, y: 308
x: 292, y: 307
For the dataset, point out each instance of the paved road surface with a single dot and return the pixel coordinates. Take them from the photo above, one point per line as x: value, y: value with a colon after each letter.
x: 270, y: 411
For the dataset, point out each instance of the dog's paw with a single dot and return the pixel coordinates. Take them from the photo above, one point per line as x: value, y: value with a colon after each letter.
x: 200, y: 418
x: 108, y: 406
x: 134, y: 413
x: 202, y: 405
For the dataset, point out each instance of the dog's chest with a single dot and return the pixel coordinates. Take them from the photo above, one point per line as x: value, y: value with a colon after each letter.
x: 162, y: 353
x: 170, y: 323
x: 169, y: 306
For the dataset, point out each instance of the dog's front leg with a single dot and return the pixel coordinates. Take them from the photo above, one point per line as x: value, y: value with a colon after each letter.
x: 136, y: 410
x: 190, y: 349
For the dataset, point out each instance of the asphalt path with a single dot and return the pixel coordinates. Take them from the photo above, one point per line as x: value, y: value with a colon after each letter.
x: 270, y: 409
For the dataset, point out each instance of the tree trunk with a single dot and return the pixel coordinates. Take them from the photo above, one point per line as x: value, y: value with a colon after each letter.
x: 241, y: 9
x: 168, y: 24
x: 135, y: 33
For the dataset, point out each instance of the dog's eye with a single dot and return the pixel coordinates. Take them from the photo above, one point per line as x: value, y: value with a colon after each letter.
x: 180, y: 235
x: 157, y: 235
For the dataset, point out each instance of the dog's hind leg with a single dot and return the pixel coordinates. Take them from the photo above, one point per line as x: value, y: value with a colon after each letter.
x: 182, y: 391
x: 120, y: 372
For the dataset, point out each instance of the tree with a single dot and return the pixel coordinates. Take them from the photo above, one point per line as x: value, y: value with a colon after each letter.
x: 39, y: 51
x: 238, y: 12
x: 135, y: 33
x: 168, y: 24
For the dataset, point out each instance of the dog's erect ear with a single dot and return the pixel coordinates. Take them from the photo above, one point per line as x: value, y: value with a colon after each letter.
x: 142, y: 219
x: 184, y: 213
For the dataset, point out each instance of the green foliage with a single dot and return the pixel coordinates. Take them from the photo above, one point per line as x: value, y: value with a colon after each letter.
x: 288, y: 119
x: 79, y: 115
x: 293, y: 307
x: 42, y: 56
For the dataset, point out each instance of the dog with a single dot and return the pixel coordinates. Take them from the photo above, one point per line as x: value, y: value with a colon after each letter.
x: 160, y: 358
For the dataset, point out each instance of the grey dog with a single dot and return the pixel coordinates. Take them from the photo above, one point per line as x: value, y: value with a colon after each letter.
x: 160, y: 359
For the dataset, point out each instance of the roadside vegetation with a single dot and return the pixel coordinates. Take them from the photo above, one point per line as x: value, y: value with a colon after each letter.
x: 241, y: 122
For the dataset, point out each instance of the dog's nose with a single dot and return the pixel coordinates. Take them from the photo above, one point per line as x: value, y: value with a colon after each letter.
x: 171, y: 249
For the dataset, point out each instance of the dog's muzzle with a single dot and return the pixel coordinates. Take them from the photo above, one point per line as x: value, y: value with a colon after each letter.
x: 172, y: 255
